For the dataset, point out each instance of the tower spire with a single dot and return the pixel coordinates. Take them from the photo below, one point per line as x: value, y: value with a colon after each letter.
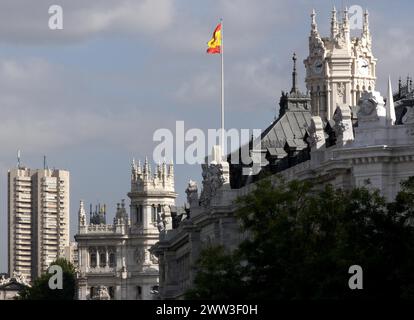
x: 345, y: 21
x: 294, y: 75
x: 365, y: 27
x: 314, y: 26
x: 390, y: 115
x: 133, y: 170
x: 334, y: 24
x: 366, y: 21
x: 139, y: 169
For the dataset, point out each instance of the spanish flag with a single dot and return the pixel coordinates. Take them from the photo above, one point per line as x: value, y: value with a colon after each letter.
x: 214, y: 45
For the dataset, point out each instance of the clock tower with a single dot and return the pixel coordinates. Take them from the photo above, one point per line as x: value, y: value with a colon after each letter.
x: 339, y: 68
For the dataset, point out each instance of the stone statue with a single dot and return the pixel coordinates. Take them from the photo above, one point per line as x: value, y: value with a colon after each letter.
x: 192, y: 193
x: 164, y: 221
x: 153, y: 259
x: 101, y: 293
x: 371, y: 111
x: 215, y: 175
x: 212, y: 180
x: 367, y: 106
x: 341, y: 89
x: 343, y: 125
x: 340, y: 40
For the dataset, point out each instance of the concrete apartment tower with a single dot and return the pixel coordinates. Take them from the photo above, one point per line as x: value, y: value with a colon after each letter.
x: 38, y: 219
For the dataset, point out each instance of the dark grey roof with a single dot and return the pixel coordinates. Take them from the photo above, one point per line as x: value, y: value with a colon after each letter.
x: 292, y: 125
x: 276, y: 152
x: 299, y: 144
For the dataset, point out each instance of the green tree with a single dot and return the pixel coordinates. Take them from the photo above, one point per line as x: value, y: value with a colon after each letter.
x: 303, y: 239
x: 226, y: 270
x: 40, y: 288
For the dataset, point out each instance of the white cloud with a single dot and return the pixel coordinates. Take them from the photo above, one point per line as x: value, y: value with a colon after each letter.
x: 201, y: 88
x: 38, y: 112
x: 249, y: 83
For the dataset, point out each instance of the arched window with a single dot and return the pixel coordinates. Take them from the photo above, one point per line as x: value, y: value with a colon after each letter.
x: 102, y: 259
x: 92, y: 261
x: 112, y: 262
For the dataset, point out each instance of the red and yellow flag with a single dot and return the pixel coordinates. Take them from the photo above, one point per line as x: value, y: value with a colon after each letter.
x: 214, y: 45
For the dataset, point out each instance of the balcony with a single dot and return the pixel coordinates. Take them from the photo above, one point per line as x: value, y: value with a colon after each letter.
x: 100, y: 270
x: 100, y: 228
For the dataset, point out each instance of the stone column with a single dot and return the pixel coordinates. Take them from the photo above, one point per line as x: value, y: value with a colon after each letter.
x: 97, y: 258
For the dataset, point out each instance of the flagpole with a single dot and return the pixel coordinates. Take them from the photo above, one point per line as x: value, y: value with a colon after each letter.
x: 222, y: 91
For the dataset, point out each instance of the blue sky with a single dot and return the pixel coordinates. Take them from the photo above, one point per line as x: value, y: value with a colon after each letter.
x: 91, y: 96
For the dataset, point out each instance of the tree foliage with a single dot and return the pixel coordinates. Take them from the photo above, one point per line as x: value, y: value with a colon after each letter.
x: 302, y: 240
x: 40, y: 288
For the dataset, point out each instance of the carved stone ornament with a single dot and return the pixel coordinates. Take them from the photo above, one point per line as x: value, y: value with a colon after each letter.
x: 316, y: 46
x: 153, y: 259
x: 340, y: 40
x: 20, y: 278
x: 316, y: 136
x: 163, y: 219
x: 101, y: 293
x: 341, y: 89
x: 4, y: 280
x: 212, y: 180
x: 139, y: 256
x: 367, y: 106
x: 82, y: 220
x: 192, y: 193
x: 371, y: 108
x: 343, y: 125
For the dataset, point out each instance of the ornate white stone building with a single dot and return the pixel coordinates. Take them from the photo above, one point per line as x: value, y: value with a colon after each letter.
x: 114, y: 258
x: 344, y: 133
x: 339, y: 68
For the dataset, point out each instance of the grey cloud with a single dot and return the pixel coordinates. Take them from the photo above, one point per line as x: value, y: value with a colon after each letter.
x: 26, y: 22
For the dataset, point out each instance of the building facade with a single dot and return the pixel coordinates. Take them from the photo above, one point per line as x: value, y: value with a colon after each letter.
x: 354, y: 137
x: 38, y: 219
x: 115, y: 258
x: 71, y: 253
x: 339, y: 68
